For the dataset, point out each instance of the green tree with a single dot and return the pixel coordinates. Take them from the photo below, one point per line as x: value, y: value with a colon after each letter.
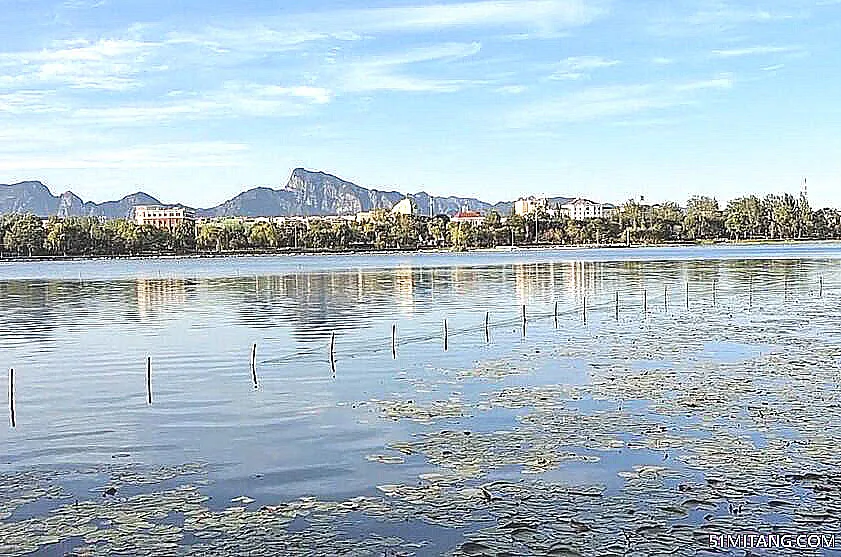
x: 263, y: 235
x: 703, y: 218
x: 24, y: 234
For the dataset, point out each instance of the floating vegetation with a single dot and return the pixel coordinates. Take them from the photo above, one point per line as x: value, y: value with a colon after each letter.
x: 663, y: 445
x: 425, y: 413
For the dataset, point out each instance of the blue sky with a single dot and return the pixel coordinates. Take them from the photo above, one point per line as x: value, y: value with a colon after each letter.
x: 194, y: 101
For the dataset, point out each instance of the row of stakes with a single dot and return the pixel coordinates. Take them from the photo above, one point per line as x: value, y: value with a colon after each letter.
x: 332, y: 348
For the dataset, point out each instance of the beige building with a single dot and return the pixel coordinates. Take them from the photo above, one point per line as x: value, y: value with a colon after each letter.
x: 529, y: 205
x: 583, y: 209
x: 163, y: 216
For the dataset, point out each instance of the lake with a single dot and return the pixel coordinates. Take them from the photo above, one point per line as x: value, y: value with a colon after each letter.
x: 705, y: 403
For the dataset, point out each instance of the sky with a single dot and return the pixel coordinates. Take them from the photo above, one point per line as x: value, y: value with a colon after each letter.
x: 196, y: 100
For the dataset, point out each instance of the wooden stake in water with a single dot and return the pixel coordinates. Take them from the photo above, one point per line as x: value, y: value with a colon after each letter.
x: 687, y: 296
x: 487, y: 326
x: 445, y: 336
x: 584, y: 310
x: 785, y: 289
x: 333, y: 352
x: 820, y: 292
x: 750, y: 293
x: 645, y: 302
x: 149, y: 380
x: 524, y: 319
x: 666, y: 297
x: 556, y: 315
x: 616, y: 312
x: 714, y: 285
x: 12, y: 397
x: 394, y: 341
x: 254, y: 364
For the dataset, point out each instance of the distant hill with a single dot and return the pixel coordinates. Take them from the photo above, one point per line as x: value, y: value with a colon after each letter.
x: 306, y: 193
x: 319, y: 193
x: 36, y: 198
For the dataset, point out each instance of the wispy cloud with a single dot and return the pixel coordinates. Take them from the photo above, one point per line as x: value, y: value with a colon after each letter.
x: 609, y: 102
x: 234, y: 99
x: 578, y: 67
x: 720, y: 16
x: 537, y: 17
x: 539, y: 14
x: 388, y: 72
x: 755, y: 51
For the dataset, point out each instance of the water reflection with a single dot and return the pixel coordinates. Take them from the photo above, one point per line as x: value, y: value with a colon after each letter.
x: 311, y: 304
x: 156, y: 296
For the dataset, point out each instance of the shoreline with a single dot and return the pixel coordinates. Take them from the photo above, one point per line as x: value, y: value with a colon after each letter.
x: 317, y: 253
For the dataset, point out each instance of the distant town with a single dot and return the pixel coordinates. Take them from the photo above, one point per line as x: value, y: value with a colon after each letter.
x: 171, y: 217
x: 175, y: 229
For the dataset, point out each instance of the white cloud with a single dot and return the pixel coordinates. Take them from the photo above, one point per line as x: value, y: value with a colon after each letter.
x: 609, y: 102
x: 511, y: 89
x: 721, y: 82
x: 662, y: 61
x: 754, y: 51
x: 578, y: 67
x: 107, y: 64
x: 28, y: 102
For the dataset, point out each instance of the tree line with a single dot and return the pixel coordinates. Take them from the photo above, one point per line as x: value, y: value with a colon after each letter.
x: 773, y: 217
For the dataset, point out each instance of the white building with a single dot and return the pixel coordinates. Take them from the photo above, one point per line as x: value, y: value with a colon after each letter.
x: 583, y: 209
x: 407, y: 206
x: 473, y: 217
x: 162, y: 216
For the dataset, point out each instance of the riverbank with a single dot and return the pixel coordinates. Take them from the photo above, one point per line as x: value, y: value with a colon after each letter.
x: 300, y: 252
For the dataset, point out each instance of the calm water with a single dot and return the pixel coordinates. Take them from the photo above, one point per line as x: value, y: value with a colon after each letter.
x: 78, y: 335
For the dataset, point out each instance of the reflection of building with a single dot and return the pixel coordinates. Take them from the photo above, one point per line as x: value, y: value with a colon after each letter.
x: 155, y: 295
x: 582, y: 209
x: 163, y: 216
x: 404, y: 288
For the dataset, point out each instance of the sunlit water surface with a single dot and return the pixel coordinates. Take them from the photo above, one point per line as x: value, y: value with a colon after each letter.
x: 78, y: 335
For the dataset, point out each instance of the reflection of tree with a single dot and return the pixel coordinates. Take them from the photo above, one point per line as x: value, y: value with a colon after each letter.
x: 26, y: 311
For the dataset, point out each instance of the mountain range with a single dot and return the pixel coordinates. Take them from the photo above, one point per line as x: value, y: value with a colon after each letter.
x: 307, y: 193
